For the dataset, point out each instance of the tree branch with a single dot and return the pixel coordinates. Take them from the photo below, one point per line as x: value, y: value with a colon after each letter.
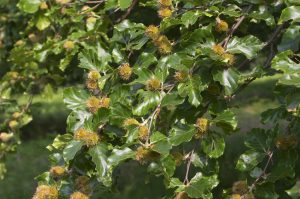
x: 134, y: 2
x: 235, y: 26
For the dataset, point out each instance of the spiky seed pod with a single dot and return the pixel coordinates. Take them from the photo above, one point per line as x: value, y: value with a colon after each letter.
x: 181, y: 76
x: 5, y: 137
x: 240, y: 187
x: 46, y: 192
x: 43, y: 6
x: 13, y: 75
x: 82, y: 183
x: 218, y: 49
x: 13, y: 124
x: 178, y: 157
x: 57, y: 171
x: 104, y: 102
x: 221, y: 26
x: 16, y: 115
x: 164, y: 45
x: 181, y: 195
x: 165, y: 12
x: 286, y: 142
x: 93, y: 104
x: 202, y: 125
x: 94, y: 75
x: 236, y: 196
x: 92, y: 84
x: 143, y: 155
x: 229, y: 58
x: 62, y: 2
x: 78, y: 195
x: 152, y: 32
x: 130, y: 121
x: 88, y: 137
x: 153, y: 84
x: 165, y: 3
x: 69, y: 45
x: 125, y: 71
x: 143, y: 132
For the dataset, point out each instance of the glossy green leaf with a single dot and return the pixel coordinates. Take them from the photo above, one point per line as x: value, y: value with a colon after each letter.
x: 71, y: 149
x: 181, y: 133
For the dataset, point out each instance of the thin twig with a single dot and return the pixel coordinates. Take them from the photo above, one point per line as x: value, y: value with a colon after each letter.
x: 188, y: 165
x: 270, y: 155
x: 235, y: 26
x: 134, y: 2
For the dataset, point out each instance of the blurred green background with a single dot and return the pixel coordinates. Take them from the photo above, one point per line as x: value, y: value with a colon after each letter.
x: 49, y: 117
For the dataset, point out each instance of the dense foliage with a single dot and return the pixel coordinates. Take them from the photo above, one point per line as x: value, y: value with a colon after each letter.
x: 158, y: 84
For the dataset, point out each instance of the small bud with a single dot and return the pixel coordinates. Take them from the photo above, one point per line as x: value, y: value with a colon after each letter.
x: 20, y: 43
x: 236, y: 196
x: 229, y: 58
x: 164, y: 45
x: 130, y: 121
x: 286, y: 142
x: 178, y: 157
x: 82, y: 183
x: 69, y: 45
x: 5, y: 137
x: 143, y: 132
x: 91, y: 20
x: 181, y: 76
x: 218, y: 49
x: 125, y: 71
x: 88, y: 137
x: 181, y: 195
x: 165, y: 3
x: 240, y: 187
x: 221, y: 26
x: 104, y: 102
x: 93, y: 104
x: 46, y: 192
x: 13, y: 124
x: 165, y: 12
x: 33, y: 38
x: 202, y: 125
x: 152, y: 32
x: 94, y: 75
x: 16, y: 115
x: 57, y: 171
x: 78, y: 195
x: 153, y: 84
x: 91, y: 84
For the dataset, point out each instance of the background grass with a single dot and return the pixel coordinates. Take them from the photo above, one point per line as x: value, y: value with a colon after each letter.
x: 49, y: 117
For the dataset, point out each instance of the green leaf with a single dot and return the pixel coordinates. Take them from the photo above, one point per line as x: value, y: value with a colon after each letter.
x: 192, y: 88
x: 94, y: 58
x: 149, y: 101
x: 290, y: 13
x: 171, y: 99
x: 75, y: 98
x: 290, y: 39
x: 60, y: 142
x: 190, y: 17
x: 71, y: 149
x: 145, y: 60
x: 169, y: 165
x: 200, y: 185
x: 249, y: 46
x: 124, y: 4
x: 120, y: 155
x: 29, y: 6
x: 213, y: 146
x: 249, y: 160
x: 181, y: 133
x: 228, y: 78
x: 284, y: 63
x: 43, y: 23
x: 160, y: 143
x: 98, y: 154
x: 226, y: 117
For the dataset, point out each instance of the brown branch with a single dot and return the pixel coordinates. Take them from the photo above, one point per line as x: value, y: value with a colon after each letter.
x: 270, y: 155
x: 235, y: 26
x: 134, y: 2
x: 188, y: 165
